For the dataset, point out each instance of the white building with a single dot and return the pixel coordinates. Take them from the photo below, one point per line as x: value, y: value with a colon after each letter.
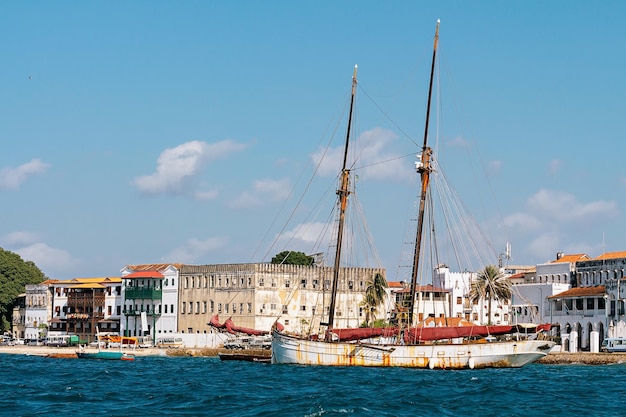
x: 37, y: 311
x: 150, y: 299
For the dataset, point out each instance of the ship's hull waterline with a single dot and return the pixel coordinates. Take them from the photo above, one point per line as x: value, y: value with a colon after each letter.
x: 287, y: 349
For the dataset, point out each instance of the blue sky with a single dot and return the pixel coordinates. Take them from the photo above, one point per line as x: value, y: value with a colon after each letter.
x: 141, y: 132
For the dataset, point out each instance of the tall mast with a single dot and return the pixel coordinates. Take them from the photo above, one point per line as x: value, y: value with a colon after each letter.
x: 424, y: 169
x: 342, y: 194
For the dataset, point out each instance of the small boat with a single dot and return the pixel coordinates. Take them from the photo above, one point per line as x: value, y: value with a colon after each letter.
x: 248, y: 356
x: 414, y: 346
x: 108, y: 355
x: 103, y: 354
x: 614, y: 344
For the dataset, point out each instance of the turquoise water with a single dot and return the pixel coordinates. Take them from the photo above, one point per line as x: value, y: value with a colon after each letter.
x: 167, y: 386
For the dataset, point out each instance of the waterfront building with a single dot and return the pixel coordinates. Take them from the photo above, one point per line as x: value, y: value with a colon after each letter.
x: 531, y: 290
x: 37, y: 310
x: 255, y: 295
x: 607, y: 270
x: 18, y: 321
x: 84, y: 306
x: 150, y: 299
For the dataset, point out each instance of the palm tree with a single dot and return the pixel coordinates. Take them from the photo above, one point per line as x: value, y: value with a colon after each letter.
x: 490, y: 285
x: 375, y: 295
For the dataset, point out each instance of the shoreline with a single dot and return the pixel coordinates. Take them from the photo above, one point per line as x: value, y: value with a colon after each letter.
x: 553, y: 358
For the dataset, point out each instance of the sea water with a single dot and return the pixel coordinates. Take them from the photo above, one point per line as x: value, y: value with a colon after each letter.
x: 192, y: 386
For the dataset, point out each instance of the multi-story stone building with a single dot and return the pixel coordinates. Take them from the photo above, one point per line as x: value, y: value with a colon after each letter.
x: 257, y: 295
x: 37, y: 310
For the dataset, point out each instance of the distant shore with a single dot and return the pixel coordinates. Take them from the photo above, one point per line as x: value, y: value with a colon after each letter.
x: 553, y: 358
x: 583, y: 358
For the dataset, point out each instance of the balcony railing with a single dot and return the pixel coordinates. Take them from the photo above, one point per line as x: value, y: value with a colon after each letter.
x: 143, y: 294
x: 138, y: 313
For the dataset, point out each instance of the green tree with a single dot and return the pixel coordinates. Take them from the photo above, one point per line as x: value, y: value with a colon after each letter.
x: 375, y: 296
x: 293, y: 258
x: 490, y: 285
x: 15, y: 274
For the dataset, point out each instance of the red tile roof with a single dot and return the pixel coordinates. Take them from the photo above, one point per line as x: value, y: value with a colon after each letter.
x: 572, y: 258
x: 151, y: 267
x: 144, y: 274
x: 612, y: 255
x: 581, y: 292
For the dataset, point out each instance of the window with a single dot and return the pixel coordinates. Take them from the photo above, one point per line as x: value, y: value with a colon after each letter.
x: 315, y: 284
x: 285, y: 309
x: 287, y: 283
x: 212, y: 306
x: 197, y: 307
x: 302, y: 308
x: 261, y: 282
x: 204, y: 303
x: 459, y: 300
x: 172, y: 308
x: 234, y: 308
x: 219, y: 307
x: 250, y: 308
x: 165, y: 308
x: 350, y: 285
x: 182, y: 308
x: 226, y: 308
x: 303, y: 283
x: 241, y: 308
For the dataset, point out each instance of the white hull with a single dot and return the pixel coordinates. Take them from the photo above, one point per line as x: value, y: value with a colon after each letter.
x: 510, y: 354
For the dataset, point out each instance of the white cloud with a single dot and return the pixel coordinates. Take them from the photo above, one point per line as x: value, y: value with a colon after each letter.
x: 51, y: 261
x: 206, y: 195
x: 555, y: 221
x: 555, y: 166
x: 12, y: 178
x: 245, y: 200
x: 562, y: 207
x: 20, y: 238
x: 545, y: 244
x: 263, y: 191
x: 275, y: 190
x: 374, y: 158
x: 177, y: 167
x: 522, y: 221
x: 495, y: 167
x: 306, y: 233
x: 459, y: 142
x: 196, y: 251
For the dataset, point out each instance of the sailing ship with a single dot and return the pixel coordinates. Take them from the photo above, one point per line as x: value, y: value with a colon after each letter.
x: 449, y: 347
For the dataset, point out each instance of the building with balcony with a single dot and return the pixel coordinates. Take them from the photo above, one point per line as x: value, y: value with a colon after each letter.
x: 150, y: 299
x: 86, y: 306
